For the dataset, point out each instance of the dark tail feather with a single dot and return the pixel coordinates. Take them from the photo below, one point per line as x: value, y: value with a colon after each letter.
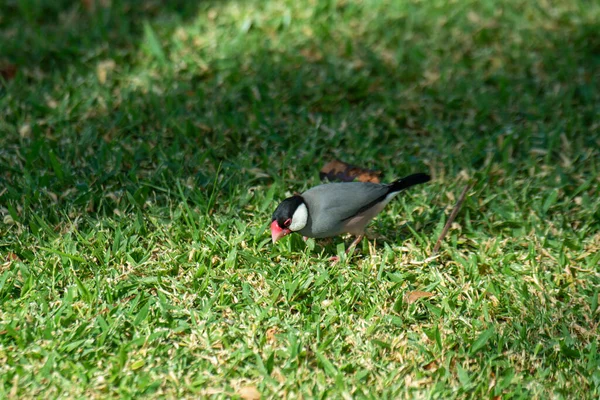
x: 408, y: 181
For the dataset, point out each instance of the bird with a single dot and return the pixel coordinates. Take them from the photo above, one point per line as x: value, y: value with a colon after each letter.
x: 333, y: 209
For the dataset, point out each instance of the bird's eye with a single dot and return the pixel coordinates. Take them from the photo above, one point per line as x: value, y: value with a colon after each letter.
x: 287, y: 222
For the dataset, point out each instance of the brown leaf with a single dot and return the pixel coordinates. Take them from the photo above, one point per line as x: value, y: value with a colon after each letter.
x: 12, y: 257
x: 312, y: 54
x: 249, y: 393
x: 88, y: 5
x: 270, y: 334
x: 431, y: 366
x: 8, y: 71
x: 341, y: 171
x: 411, y: 297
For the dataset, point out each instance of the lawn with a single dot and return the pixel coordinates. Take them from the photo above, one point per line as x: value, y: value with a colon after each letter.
x: 145, y: 144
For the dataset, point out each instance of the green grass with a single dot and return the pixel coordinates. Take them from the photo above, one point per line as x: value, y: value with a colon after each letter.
x: 144, y: 146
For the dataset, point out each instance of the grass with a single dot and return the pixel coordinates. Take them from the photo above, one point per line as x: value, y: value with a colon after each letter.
x: 144, y: 146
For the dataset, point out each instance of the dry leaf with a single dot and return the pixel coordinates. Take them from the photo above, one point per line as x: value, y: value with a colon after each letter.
x: 411, y: 297
x: 88, y: 5
x: 431, y: 366
x: 8, y: 71
x: 25, y: 131
x: 104, y: 68
x: 341, y: 171
x: 204, y: 127
x: 270, y: 334
x: 249, y: 393
x: 12, y: 257
x: 474, y: 17
x: 312, y: 54
x: 51, y: 103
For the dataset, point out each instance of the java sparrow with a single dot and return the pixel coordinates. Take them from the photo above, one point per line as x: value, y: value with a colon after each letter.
x: 336, y: 208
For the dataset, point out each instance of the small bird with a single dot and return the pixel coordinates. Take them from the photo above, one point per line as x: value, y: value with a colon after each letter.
x: 335, y: 208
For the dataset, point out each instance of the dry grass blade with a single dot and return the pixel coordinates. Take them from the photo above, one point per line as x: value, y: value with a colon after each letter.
x: 453, y: 214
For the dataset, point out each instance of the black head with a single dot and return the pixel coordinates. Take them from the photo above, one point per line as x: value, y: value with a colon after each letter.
x: 285, y: 211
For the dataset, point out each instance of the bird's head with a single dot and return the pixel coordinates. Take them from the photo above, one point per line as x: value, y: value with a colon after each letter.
x: 290, y: 216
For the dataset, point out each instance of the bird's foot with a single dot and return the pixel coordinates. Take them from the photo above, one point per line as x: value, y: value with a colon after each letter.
x: 355, y: 243
x: 335, y: 259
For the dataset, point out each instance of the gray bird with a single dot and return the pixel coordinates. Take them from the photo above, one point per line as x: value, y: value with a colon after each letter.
x: 336, y: 208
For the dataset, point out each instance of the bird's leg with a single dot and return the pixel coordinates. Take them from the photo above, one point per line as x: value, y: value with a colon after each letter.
x: 356, y: 241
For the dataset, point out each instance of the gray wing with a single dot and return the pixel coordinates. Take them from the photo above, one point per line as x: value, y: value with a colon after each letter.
x: 330, y: 205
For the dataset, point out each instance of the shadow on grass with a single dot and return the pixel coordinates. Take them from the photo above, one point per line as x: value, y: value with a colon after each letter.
x: 53, y: 35
x: 265, y: 112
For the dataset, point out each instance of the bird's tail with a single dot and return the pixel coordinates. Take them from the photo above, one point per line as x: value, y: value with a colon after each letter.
x: 411, y: 180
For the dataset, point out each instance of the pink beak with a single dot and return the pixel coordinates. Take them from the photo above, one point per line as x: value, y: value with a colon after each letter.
x: 277, y: 232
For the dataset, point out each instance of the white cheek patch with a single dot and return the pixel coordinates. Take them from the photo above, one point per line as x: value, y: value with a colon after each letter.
x: 299, y: 218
